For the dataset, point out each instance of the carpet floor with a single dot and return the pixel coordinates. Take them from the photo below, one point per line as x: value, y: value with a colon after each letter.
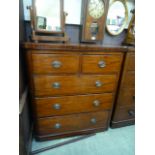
x: 118, y: 141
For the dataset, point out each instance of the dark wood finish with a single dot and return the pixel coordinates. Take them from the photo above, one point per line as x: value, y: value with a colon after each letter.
x: 131, y: 62
x: 77, y: 90
x: 42, y: 63
x: 71, y: 84
x: 126, y: 97
x: 72, y: 122
x: 90, y: 63
x: 87, y: 20
x: 123, y: 113
x: 129, y: 79
x: 72, y: 104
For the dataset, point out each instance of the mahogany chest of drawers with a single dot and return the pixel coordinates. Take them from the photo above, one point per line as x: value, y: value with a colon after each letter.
x: 72, y: 87
x: 124, y: 111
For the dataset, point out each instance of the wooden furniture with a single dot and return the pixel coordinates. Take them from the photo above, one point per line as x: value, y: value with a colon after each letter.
x: 48, y: 24
x: 124, y: 111
x: 72, y: 87
x: 130, y: 37
x: 93, y: 20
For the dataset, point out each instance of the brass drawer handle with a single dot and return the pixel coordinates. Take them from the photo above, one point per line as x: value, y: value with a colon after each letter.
x: 56, y: 85
x: 56, y: 106
x: 98, y: 84
x: 131, y: 112
x: 96, y: 103
x: 57, y: 126
x: 56, y: 64
x: 101, y: 64
x: 93, y: 121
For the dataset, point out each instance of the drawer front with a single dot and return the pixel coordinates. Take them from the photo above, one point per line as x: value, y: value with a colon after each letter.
x: 59, y: 85
x: 129, y: 79
x: 131, y: 62
x: 53, y: 63
x: 126, y: 113
x: 68, y: 123
x: 126, y: 97
x: 101, y: 63
x: 72, y: 104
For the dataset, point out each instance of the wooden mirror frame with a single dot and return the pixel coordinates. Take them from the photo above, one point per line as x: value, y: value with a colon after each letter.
x: 126, y: 17
x: 46, y: 34
x: 61, y: 18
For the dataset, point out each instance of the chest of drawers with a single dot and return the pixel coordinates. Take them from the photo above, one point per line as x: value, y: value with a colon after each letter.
x: 72, y: 87
x: 124, y: 111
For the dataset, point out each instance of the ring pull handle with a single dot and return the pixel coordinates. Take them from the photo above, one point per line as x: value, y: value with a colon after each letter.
x: 56, y: 85
x: 131, y: 112
x: 56, y: 106
x: 57, y: 126
x: 101, y: 64
x: 98, y: 84
x: 56, y: 64
x: 96, y: 103
x: 93, y: 121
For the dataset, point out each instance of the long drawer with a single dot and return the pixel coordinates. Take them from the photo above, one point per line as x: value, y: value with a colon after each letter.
x: 76, y: 122
x: 55, y: 63
x: 72, y: 104
x: 107, y: 63
x: 64, y: 85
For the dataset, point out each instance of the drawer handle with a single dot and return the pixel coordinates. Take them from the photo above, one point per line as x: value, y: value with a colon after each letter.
x: 96, y: 103
x: 56, y: 106
x: 56, y: 64
x: 57, y: 126
x: 101, y: 64
x: 93, y: 121
x: 131, y: 112
x: 56, y: 85
x: 98, y: 83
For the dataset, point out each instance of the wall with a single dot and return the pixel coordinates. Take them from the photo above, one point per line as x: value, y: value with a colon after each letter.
x: 73, y: 8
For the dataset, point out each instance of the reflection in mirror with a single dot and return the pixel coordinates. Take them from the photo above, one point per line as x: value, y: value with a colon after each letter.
x: 117, y: 17
x: 48, y: 15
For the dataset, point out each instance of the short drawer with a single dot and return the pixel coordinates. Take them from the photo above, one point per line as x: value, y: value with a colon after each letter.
x: 129, y: 79
x: 122, y: 114
x: 107, y: 63
x: 131, y: 62
x: 126, y: 97
x: 72, y: 104
x: 53, y: 63
x: 61, y: 85
x: 68, y: 123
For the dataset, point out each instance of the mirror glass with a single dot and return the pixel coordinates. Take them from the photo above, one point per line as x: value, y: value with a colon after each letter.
x: 48, y: 15
x: 116, y: 18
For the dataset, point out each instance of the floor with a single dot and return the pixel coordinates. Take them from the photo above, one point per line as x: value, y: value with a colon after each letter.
x: 118, y: 141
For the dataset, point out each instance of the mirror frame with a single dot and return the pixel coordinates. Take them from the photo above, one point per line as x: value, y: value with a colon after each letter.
x: 126, y: 17
x: 62, y: 19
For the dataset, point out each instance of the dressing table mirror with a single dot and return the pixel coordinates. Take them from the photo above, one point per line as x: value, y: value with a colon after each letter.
x: 117, y: 17
x: 48, y: 20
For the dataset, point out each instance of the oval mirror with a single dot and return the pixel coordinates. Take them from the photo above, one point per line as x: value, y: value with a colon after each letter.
x: 117, y: 17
